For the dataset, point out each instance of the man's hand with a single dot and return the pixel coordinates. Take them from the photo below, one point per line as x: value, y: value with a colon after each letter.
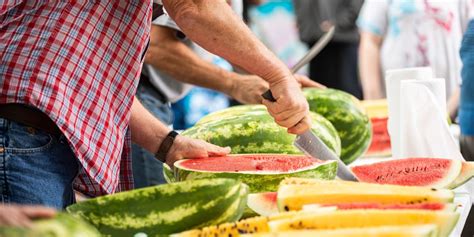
x: 248, y: 89
x: 304, y: 82
x: 291, y: 109
x: 21, y: 216
x: 184, y: 147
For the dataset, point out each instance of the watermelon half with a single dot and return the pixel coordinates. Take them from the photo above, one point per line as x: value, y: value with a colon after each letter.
x: 261, y: 172
x: 430, y: 172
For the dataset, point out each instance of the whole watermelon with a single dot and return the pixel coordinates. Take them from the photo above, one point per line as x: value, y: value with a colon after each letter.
x: 253, y: 130
x: 165, y: 209
x: 347, y: 115
x: 62, y: 225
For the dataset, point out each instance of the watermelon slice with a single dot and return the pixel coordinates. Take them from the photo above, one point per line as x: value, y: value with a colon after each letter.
x: 265, y: 204
x: 262, y: 172
x: 380, y: 145
x: 429, y: 172
x: 467, y: 173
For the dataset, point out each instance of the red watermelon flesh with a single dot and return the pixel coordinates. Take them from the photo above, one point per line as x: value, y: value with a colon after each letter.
x: 252, y: 163
x: 423, y: 206
x: 265, y: 204
x: 430, y: 172
x: 380, y: 144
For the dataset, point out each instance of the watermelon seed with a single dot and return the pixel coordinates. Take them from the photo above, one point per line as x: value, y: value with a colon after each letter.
x: 286, y: 208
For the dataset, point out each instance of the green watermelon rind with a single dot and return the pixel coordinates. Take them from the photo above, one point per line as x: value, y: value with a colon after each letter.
x: 232, y: 112
x: 347, y: 115
x: 168, y: 174
x: 63, y: 224
x: 256, y: 132
x: 165, y: 209
x: 260, y: 182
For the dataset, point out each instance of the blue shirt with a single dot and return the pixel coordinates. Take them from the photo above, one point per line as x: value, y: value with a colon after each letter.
x: 466, y: 110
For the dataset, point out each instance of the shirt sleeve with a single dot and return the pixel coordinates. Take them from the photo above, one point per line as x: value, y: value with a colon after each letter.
x: 165, y: 20
x: 373, y: 17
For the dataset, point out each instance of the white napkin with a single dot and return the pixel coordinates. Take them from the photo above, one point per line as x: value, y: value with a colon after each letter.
x: 424, y: 131
x: 393, y: 79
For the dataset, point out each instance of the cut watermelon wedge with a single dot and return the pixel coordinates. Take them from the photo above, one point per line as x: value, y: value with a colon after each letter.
x: 262, y: 172
x: 467, y: 173
x: 265, y: 204
x: 428, y: 172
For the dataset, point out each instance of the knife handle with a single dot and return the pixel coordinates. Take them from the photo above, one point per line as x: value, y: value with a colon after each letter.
x: 269, y: 96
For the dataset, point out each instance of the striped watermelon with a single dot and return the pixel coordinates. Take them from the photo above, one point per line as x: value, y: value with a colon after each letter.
x: 62, y: 225
x: 261, y: 172
x: 250, y: 129
x: 347, y: 115
x: 165, y: 209
x: 232, y: 112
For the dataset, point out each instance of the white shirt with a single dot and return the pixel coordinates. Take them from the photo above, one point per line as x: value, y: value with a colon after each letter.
x: 419, y: 33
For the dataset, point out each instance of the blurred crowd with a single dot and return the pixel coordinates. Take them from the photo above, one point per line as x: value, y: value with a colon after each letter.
x: 373, y: 36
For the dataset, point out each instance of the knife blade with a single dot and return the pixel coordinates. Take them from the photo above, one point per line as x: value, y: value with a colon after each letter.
x: 312, y: 146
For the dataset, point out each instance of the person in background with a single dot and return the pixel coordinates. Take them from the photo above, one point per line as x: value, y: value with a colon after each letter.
x: 21, y: 216
x: 398, y: 34
x: 173, y: 64
x: 336, y: 65
x: 68, y: 77
x: 466, y: 109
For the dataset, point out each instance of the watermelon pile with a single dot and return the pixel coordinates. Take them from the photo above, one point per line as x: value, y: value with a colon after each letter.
x: 310, y: 207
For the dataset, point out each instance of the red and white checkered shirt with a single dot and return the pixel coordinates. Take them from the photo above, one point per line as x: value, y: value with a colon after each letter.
x: 79, y: 62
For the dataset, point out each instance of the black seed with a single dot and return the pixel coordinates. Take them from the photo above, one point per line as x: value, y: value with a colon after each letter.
x: 286, y: 208
x: 434, y: 189
x: 230, y: 235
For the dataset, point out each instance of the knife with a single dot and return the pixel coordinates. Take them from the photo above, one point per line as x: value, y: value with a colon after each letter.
x: 307, y: 142
x: 312, y: 146
x: 317, y: 47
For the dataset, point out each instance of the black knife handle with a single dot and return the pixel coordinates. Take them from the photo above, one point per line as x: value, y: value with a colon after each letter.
x: 269, y: 96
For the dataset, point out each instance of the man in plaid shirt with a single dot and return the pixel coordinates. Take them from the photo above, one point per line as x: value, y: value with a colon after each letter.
x: 68, y: 73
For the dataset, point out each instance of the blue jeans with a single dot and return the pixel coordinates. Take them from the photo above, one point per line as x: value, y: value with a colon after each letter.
x: 147, y: 170
x: 35, y: 167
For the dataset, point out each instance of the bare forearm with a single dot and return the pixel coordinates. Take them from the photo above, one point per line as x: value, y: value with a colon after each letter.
x: 207, y: 23
x: 370, y: 69
x: 147, y: 131
x: 180, y: 62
